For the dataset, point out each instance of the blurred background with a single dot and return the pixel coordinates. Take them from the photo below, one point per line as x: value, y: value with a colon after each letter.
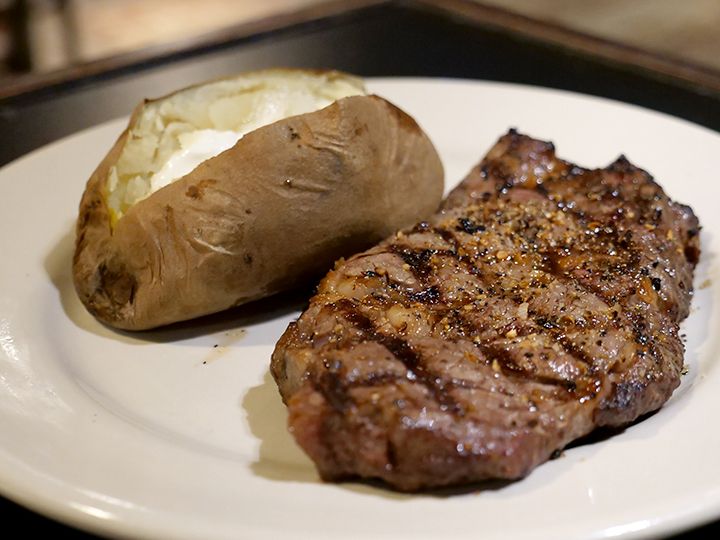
x: 40, y: 36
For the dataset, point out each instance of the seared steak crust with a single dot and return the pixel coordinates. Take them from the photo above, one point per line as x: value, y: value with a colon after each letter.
x: 540, y: 302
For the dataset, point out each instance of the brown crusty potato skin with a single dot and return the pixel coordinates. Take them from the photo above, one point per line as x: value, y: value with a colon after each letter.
x: 276, y: 209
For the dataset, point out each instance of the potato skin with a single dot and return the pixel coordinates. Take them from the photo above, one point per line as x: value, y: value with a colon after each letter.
x: 273, y: 211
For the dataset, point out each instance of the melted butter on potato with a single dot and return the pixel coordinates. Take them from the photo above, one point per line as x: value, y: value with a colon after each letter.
x: 170, y: 137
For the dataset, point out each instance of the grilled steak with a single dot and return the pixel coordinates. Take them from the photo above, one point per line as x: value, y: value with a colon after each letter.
x: 540, y: 302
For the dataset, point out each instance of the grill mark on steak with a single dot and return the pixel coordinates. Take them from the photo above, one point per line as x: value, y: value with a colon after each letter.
x: 541, y: 302
x: 403, y: 352
x: 550, y: 258
x: 419, y: 263
x: 511, y: 369
x: 417, y: 260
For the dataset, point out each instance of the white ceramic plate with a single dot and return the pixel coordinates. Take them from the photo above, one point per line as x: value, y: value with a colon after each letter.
x: 181, y: 433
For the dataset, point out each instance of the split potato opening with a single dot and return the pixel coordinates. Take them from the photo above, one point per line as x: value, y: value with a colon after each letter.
x: 172, y: 136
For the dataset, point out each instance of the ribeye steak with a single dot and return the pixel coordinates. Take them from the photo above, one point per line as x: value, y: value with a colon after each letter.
x: 540, y: 302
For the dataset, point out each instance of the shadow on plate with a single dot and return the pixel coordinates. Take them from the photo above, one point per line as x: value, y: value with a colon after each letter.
x: 377, y: 488
x: 58, y: 265
x: 605, y: 434
x: 279, y: 457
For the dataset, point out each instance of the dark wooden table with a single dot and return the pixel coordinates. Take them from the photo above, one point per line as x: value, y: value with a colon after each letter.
x: 448, y: 38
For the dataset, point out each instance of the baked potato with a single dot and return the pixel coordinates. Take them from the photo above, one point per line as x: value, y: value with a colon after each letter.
x: 236, y: 189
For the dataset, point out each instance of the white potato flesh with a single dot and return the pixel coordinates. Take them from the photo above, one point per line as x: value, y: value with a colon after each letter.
x: 172, y: 136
